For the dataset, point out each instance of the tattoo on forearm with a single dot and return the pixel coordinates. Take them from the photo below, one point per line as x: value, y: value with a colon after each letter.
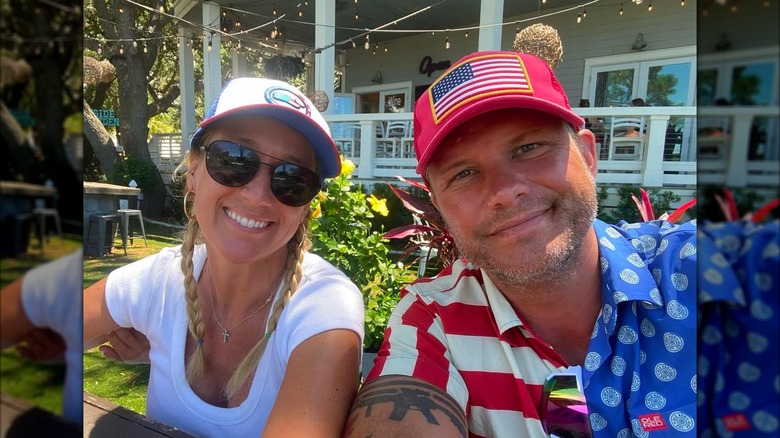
x: 408, y: 396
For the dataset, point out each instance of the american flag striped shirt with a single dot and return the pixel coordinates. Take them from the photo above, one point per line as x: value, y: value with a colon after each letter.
x: 459, y: 333
x: 497, y: 73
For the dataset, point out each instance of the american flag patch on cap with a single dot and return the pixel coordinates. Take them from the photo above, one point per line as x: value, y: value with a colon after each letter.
x: 489, y: 75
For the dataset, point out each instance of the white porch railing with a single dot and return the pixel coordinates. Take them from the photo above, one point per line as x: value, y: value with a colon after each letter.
x: 743, y: 154
x: 662, y: 160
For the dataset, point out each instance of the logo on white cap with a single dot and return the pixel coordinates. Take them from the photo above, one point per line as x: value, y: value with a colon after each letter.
x: 285, y: 96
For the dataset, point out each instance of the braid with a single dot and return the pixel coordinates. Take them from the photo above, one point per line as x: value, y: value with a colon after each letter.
x: 296, y: 248
x: 196, y: 325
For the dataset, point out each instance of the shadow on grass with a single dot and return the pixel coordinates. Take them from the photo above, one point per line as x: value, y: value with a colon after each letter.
x: 124, y: 384
x: 39, y: 384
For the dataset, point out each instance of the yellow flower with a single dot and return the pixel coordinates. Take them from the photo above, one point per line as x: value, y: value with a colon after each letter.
x: 379, y: 205
x: 317, y: 212
x: 322, y: 196
x: 347, y: 166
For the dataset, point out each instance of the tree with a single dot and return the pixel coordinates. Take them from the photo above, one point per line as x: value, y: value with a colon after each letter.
x: 133, y: 40
x: 47, y: 36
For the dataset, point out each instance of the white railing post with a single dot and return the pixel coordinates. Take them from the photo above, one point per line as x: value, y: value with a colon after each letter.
x: 736, y: 174
x: 367, y: 149
x: 653, y: 172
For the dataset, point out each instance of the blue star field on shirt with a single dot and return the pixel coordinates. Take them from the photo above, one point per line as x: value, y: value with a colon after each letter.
x: 640, y: 369
x: 739, y: 357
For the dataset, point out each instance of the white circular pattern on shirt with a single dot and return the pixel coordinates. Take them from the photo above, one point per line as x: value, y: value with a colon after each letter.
x: 718, y: 260
x: 771, y: 250
x: 624, y: 433
x: 777, y: 383
x: 642, y: 357
x: 703, y: 366
x: 627, y: 335
x: 676, y: 310
x: 679, y: 281
x: 629, y: 276
x: 647, y: 328
x: 748, y: 372
x: 657, y: 273
x: 633, y: 308
x: 765, y: 422
x: 757, y: 342
x: 595, y: 331
x: 635, y: 382
x: 711, y: 335
x: 610, y: 397
x: 604, y: 264
x: 731, y: 329
x: 720, y: 382
x: 760, y: 311
x: 722, y: 431
x: 673, y: 342
x: 655, y: 295
x: 693, y: 383
x: 763, y: 281
x: 700, y: 399
x: 655, y: 401
x: 729, y: 243
x: 747, y: 245
x: 739, y: 294
x: 665, y: 372
x: 638, y: 245
x: 606, y: 313
x: 618, y: 366
x: 687, y: 250
x: 606, y: 243
x: 662, y: 247
x: 592, y: 361
x: 712, y: 276
x: 739, y: 401
x: 619, y: 297
x: 635, y: 260
x: 613, y: 233
x: 597, y: 422
x: 649, y: 242
x: 681, y: 421
x: 636, y: 427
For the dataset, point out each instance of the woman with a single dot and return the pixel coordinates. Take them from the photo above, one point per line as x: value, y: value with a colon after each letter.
x: 249, y: 332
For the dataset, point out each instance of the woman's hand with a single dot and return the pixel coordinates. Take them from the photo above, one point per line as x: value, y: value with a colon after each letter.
x: 126, y: 345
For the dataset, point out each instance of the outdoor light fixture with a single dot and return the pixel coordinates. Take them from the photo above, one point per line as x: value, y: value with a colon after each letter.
x: 640, y: 43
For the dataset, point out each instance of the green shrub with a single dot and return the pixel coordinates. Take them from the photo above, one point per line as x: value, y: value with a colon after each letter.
x: 144, y: 173
x: 627, y: 210
x: 342, y: 234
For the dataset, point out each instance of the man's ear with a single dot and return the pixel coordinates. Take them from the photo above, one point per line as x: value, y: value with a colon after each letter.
x: 586, y: 141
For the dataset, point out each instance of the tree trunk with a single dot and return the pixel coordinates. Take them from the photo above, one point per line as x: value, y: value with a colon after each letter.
x: 16, y: 150
x: 100, y: 141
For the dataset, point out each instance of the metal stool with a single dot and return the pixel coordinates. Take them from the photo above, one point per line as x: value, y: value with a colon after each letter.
x: 125, y: 214
x: 41, y: 214
x: 102, y: 219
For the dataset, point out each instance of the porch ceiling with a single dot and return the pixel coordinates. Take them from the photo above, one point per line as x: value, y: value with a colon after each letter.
x: 298, y: 32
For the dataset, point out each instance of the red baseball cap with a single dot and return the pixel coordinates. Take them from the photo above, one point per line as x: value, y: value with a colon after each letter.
x: 482, y: 82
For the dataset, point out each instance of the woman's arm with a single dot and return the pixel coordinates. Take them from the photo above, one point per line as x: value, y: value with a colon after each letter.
x: 13, y: 320
x: 97, y: 319
x: 319, y: 386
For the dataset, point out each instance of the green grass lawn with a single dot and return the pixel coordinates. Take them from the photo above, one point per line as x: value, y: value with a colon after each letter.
x: 121, y: 383
x: 39, y: 384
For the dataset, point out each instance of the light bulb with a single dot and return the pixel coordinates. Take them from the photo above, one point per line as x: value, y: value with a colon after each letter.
x: 447, y: 43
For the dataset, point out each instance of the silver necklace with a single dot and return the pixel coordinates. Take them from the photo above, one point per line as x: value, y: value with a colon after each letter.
x: 226, y: 331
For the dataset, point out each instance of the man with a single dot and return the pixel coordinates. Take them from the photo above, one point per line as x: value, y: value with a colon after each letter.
x: 543, y: 285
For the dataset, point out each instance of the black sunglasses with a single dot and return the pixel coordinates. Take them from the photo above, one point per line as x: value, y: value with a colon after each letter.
x: 233, y: 165
x: 564, y: 412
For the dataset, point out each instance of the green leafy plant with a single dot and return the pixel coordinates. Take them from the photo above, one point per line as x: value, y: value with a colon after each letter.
x: 627, y: 209
x: 341, y: 234
x: 133, y: 168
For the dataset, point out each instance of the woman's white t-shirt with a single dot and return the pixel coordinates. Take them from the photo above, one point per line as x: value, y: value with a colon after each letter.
x: 149, y: 296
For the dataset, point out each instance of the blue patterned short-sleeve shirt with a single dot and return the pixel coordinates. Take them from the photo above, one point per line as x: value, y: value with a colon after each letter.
x: 640, y: 370
x: 739, y: 356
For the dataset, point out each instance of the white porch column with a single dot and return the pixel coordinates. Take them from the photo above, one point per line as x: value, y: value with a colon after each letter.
x: 653, y: 172
x: 187, y: 87
x: 491, y: 15
x: 325, y: 36
x: 736, y: 170
x: 367, y: 149
x: 240, y: 68
x: 212, y: 71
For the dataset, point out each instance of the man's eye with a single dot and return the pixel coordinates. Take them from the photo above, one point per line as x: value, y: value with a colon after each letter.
x: 527, y: 148
x: 462, y: 174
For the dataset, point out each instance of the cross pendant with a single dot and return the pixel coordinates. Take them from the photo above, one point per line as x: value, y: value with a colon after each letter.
x: 225, y: 335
